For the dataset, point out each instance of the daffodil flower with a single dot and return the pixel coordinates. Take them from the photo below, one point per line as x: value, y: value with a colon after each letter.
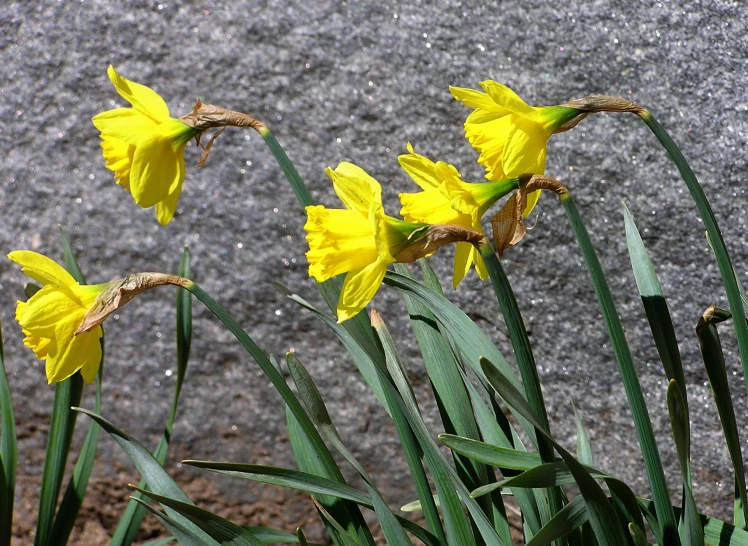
x: 361, y: 240
x: 446, y: 199
x: 509, y: 134
x: 50, y: 318
x: 144, y: 147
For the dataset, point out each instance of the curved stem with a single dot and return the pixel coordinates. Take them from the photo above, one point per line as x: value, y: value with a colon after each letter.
x: 715, y: 236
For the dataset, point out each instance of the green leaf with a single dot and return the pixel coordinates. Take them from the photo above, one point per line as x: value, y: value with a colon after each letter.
x: 315, y: 405
x: 451, y: 397
x: 525, y: 359
x: 75, y: 492
x: 442, y: 472
x: 714, y: 362
x: 219, y: 529
x: 602, y: 517
x: 129, y: 523
x: 268, y: 535
x: 634, y: 395
x: 715, y: 237
x: 303, y: 481
x: 473, y: 343
x: 570, y: 517
x: 8, y: 453
x: 584, y: 449
x: 370, y: 373
x: 500, y: 457
x: 185, y: 536
x: 151, y: 470
x: 161, y: 542
x: 691, y: 532
x: 655, y: 306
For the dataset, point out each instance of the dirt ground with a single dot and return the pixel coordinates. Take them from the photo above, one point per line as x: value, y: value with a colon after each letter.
x: 108, y: 494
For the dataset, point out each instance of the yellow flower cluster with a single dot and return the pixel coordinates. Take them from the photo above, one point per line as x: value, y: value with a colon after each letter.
x: 144, y: 147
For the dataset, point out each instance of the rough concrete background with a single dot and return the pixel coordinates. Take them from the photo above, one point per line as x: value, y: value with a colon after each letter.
x: 355, y: 81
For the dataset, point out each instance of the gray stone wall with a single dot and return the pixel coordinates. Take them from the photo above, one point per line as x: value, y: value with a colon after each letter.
x: 355, y: 81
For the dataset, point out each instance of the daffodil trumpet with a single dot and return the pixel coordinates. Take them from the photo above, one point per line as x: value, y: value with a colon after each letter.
x: 62, y: 320
x: 362, y: 240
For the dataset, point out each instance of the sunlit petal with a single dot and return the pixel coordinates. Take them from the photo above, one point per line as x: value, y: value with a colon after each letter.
x: 359, y: 288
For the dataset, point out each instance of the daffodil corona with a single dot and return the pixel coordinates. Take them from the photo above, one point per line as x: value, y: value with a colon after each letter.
x: 446, y: 199
x: 509, y: 134
x: 144, y: 147
x: 51, y: 316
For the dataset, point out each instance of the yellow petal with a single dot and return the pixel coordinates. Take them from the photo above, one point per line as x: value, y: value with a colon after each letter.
x: 475, y: 99
x: 165, y: 209
x: 40, y: 345
x: 355, y: 188
x: 46, y: 309
x: 118, y: 156
x: 42, y: 269
x: 89, y: 350
x: 75, y: 352
x: 384, y: 239
x: 428, y: 207
x: 359, y: 288
x: 524, y: 152
x: 532, y: 200
x: 463, y: 262
x: 420, y: 168
x: 505, y: 97
x: 480, y: 265
x: 490, y: 139
x: 125, y: 124
x: 142, y: 98
x: 156, y: 170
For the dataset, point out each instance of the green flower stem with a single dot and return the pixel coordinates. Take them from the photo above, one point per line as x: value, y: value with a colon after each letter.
x: 718, y: 243
x: 642, y: 422
x: 525, y: 359
x: 297, y: 184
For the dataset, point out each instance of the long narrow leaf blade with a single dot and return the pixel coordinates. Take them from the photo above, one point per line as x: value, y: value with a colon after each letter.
x: 8, y: 453
x: 219, y: 529
x: 714, y: 362
x: 634, y: 394
x: 150, y: 469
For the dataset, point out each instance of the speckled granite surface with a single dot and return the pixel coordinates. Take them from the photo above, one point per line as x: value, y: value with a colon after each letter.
x: 355, y: 81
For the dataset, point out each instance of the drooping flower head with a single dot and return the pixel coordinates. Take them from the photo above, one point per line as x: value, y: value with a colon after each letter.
x: 51, y: 317
x: 361, y: 240
x: 446, y: 199
x: 62, y: 320
x: 144, y: 147
x: 509, y: 134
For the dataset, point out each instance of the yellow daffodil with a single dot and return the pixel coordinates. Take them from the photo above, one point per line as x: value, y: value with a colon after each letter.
x: 358, y: 240
x: 144, y: 147
x: 446, y: 199
x: 509, y: 134
x: 51, y: 317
